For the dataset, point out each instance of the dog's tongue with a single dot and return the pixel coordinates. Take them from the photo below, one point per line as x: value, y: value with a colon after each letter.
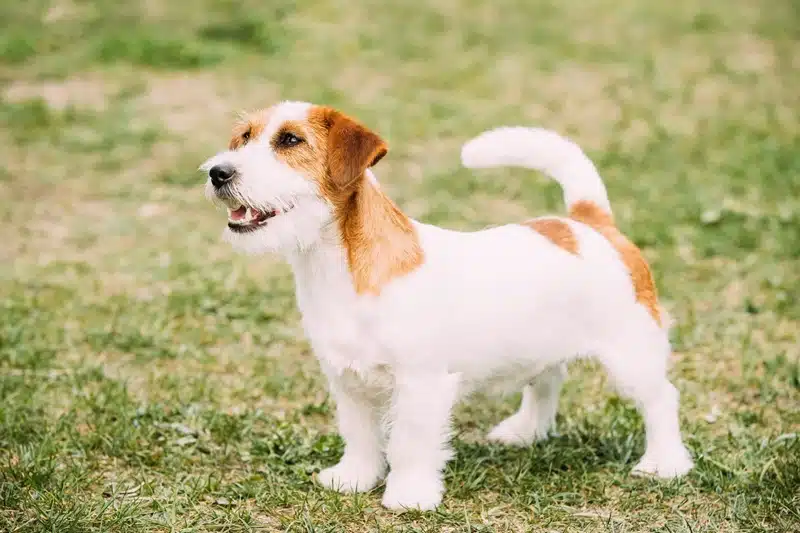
x: 239, y: 213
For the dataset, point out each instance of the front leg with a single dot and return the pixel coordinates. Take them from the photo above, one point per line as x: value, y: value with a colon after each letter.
x: 418, y: 447
x: 362, y: 465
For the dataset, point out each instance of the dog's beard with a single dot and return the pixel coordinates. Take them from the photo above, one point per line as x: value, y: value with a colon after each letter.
x: 234, y: 195
x: 298, y: 225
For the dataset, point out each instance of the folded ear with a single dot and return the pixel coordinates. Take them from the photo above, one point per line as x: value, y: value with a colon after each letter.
x: 352, y: 149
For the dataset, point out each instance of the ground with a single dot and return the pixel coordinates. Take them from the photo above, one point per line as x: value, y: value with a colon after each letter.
x: 152, y: 380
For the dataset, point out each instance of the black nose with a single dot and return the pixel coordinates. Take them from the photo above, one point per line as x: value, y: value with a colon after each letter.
x: 221, y: 174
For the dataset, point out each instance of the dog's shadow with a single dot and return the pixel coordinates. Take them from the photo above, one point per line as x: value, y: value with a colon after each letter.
x: 562, y: 463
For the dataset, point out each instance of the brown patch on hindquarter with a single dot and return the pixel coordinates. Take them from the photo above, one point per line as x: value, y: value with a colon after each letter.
x: 601, y: 221
x: 557, y: 231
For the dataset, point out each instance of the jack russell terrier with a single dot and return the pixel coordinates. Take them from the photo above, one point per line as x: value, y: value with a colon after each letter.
x: 407, y: 318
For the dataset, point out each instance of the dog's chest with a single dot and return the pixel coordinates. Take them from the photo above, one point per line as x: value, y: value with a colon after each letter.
x: 341, y: 327
x: 342, y: 338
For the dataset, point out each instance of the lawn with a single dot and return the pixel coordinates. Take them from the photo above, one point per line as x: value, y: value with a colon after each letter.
x: 153, y: 380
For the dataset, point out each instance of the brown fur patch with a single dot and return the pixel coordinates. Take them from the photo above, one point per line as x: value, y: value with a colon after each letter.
x: 601, y: 221
x: 308, y: 157
x: 351, y: 149
x: 249, y: 128
x: 380, y: 240
x: 557, y: 231
x: 591, y: 214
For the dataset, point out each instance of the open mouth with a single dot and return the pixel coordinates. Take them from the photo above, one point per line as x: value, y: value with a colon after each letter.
x: 243, y: 219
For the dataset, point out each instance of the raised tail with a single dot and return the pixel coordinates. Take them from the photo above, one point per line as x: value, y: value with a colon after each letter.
x: 542, y: 150
x: 584, y: 192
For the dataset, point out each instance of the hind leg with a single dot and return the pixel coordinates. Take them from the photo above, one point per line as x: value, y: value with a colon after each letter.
x: 641, y: 376
x: 537, y: 412
x: 665, y: 455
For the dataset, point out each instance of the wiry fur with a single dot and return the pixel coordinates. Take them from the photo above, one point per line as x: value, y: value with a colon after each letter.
x: 499, y: 308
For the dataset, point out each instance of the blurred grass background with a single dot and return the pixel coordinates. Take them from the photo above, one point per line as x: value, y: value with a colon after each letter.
x: 152, y: 380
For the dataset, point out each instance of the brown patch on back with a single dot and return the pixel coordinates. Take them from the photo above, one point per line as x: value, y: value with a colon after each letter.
x: 557, y: 231
x: 380, y: 240
x: 601, y: 221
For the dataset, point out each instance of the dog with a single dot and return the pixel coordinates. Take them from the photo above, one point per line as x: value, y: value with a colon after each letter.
x: 407, y: 318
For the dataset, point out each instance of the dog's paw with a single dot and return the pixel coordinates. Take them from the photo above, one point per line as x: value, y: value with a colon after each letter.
x: 664, y: 465
x: 518, y: 430
x: 405, y: 491
x: 351, y: 476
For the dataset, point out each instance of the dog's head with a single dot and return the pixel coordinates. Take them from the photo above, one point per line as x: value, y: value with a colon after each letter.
x: 287, y: 171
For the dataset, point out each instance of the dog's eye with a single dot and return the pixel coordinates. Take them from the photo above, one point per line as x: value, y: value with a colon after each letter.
x: 287, y: 140
x: 245, y: 137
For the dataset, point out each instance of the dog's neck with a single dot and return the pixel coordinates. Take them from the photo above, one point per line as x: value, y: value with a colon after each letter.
x: 371, y: 242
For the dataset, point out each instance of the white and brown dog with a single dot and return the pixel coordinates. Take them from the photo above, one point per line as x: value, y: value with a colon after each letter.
x: 406, y: 318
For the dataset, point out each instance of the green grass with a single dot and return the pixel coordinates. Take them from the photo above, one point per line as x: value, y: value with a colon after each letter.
x: 151, y: 380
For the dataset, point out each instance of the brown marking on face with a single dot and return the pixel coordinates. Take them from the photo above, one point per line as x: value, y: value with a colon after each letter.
x: 601, y: 221
x: 380, y: 241
x: 309, y: 155
x: 249, y: 128
x: 557, y: 231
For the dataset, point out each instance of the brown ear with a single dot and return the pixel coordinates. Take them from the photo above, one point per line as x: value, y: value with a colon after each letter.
x: 352, y: 149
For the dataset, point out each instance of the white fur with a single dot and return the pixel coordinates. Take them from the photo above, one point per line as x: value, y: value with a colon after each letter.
x: 501, y: 308
x: 541, y: 150
x: 537, y: 412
